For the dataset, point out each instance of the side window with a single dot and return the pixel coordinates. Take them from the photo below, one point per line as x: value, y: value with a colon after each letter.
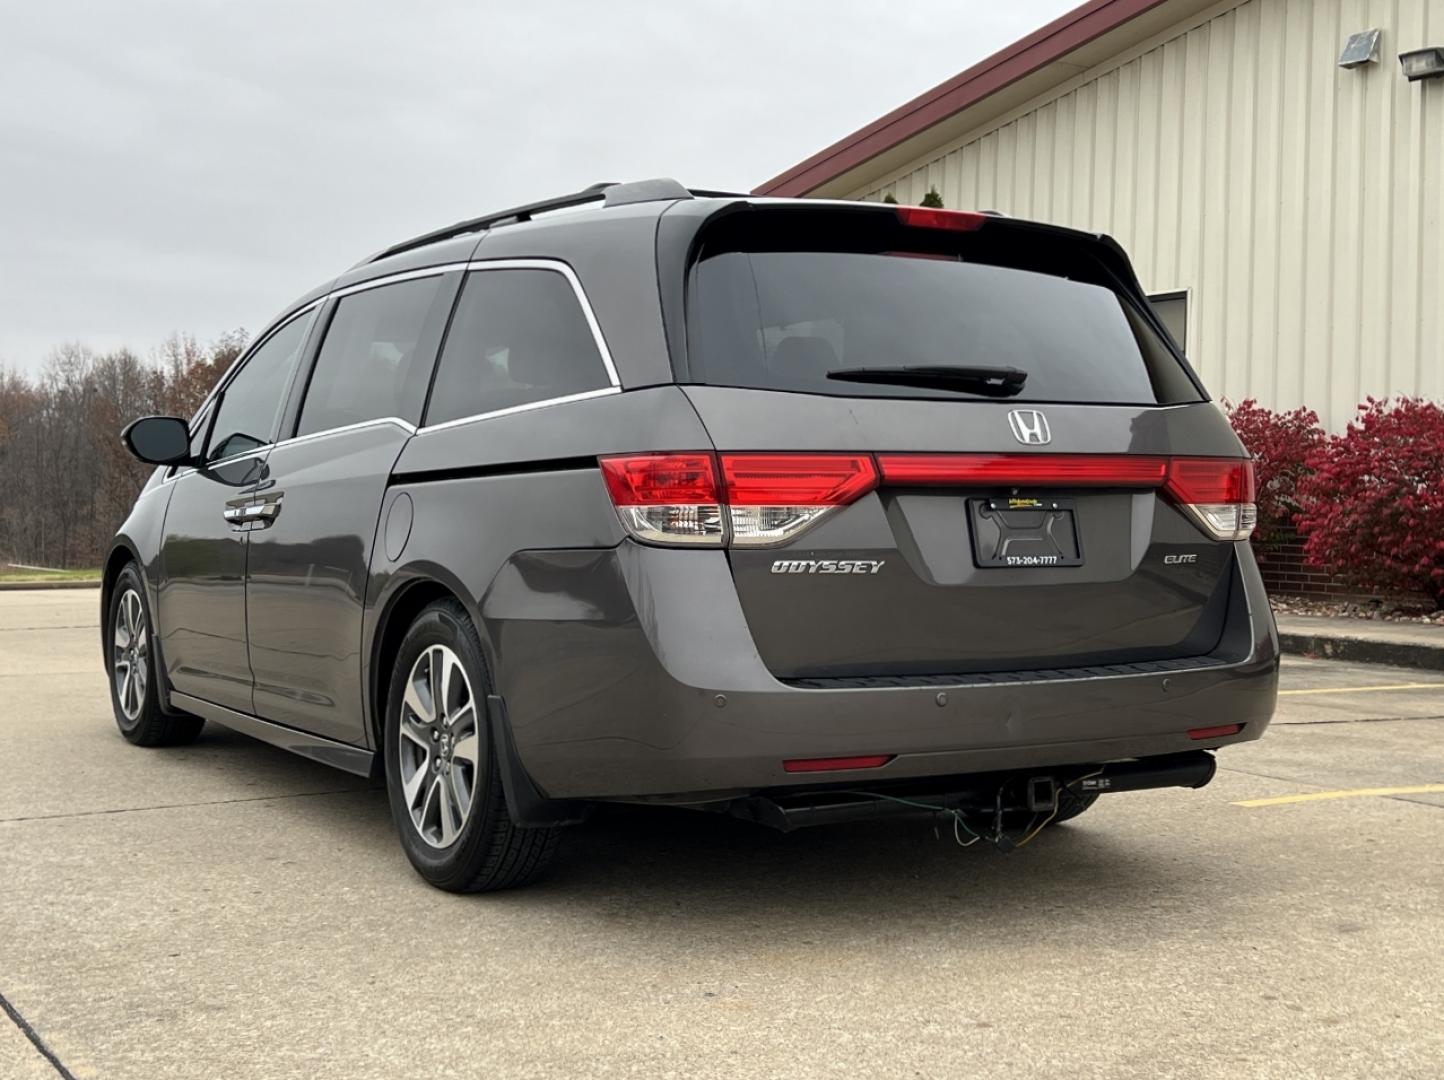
x: 251, y: 403
x: 373, y: 362
x: 518, y: 336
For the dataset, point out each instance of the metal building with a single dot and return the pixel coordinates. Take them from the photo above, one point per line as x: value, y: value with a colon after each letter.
x: 1279, y: 185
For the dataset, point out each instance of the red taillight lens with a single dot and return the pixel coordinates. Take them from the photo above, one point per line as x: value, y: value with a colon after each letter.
x: 1062, y: 470
x: 654, y: 479
x: 834, y: 764
x: 667, y: 498
x: 759, y: 499
x: 797, y: 479
x: 763, y: 499
x: 1218, y: 493
x: 926, y: 217
x: 1211, y: 480
x: 774, y: 497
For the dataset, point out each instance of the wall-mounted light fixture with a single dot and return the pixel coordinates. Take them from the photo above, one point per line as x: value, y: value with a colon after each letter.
x: 1423, y: 63
x: 1361, y: 48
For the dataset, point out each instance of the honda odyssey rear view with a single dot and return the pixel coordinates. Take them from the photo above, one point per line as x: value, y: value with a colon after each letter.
x: 798, y: 511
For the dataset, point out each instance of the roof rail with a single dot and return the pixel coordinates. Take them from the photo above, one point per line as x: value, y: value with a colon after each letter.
x: 609, y: 193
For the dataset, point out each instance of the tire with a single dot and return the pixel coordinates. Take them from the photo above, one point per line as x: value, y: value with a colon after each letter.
x: 1070, y: 805
x: 442, y: 776
x: 130, y: 666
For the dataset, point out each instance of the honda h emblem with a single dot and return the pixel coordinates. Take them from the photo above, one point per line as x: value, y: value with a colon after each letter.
x: 1030, y: 427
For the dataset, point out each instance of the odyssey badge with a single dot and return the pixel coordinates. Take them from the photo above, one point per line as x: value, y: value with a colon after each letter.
x: 827, y: 566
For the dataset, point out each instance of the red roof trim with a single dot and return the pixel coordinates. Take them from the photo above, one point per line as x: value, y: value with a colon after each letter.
x: 1022, y: 58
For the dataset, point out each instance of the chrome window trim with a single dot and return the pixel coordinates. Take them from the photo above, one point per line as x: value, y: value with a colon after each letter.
x: 392, y: 279
x: 410, y: 429
x: 225, y: 380
x: 346, y: 290
x: 251, y: 346
x: 190, y: 469
x: 530, y: 406
x: 380, y: 421
x: 559, y: 267
x: 556, y: 266
x: 338, y: 295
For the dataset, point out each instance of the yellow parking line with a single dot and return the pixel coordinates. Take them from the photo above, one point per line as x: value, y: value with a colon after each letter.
x: 1356, y: 793
x: 1367, y: 689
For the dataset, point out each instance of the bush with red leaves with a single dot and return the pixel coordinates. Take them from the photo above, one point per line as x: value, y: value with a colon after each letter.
x: 1373, y: 506
x: 1281, y: 443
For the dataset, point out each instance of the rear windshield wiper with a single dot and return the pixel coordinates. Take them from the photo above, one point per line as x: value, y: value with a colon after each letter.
x: 988, y: 381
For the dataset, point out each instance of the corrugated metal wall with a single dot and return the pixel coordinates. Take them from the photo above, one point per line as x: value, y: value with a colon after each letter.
x: 1301, y: 205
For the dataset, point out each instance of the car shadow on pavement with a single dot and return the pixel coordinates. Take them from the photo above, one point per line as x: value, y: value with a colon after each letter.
x: 675, y: 881
x: 864, y: 877
x: 667, y: 879
x: 657, y: 873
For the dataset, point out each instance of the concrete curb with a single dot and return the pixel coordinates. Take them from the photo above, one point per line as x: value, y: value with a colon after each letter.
x: 20, y: 586
x: 1362, y: 650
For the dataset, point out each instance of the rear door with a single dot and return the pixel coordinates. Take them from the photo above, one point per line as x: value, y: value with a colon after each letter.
x: 316, y: 523
x: 1021, y: 424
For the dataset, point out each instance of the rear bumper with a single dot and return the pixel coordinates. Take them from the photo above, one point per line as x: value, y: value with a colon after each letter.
x: 635, y: 677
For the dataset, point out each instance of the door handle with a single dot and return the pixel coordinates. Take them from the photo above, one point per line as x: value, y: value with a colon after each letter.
x: 253, y: 512
x: 235, y: 514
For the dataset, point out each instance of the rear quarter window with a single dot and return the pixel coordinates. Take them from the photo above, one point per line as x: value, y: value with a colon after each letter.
x: 786, y: 320
x: 518, y: 337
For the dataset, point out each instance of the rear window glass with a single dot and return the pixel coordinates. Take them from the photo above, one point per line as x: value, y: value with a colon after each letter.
x: 796, y: 320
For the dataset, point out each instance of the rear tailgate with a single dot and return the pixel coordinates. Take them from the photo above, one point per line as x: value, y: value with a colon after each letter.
x: 917, y: 341
x: 891, y: 584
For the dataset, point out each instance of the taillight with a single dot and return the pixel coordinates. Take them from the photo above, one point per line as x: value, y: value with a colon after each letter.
x: 666, y: 498
x: 1218, y: 493
x: 926, y: 217
x: 773, y: 497
x: 761, y: 499
x: 758, y: 500
x: 1024, y: 470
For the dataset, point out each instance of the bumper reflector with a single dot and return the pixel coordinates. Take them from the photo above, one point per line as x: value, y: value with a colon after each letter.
x: 833, y: 764
x: 1215, y: 732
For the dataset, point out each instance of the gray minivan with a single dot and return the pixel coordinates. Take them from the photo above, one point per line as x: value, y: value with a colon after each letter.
x: 800, y: 511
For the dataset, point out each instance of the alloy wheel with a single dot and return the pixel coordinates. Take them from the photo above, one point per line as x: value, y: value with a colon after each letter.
x: 439, y: 746
x: 130, y: 656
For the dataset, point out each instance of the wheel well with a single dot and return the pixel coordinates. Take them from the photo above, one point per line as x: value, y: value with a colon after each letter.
x: 395, y: 623
x: 114, y: 563
x: 119, y: 558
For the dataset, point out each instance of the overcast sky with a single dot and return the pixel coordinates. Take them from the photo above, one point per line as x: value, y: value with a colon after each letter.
x: 195, y: 165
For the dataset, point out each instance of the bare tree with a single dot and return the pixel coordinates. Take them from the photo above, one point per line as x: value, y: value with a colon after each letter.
x: 66, y: 482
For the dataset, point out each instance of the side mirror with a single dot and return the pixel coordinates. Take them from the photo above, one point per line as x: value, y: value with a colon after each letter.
x: 159, y: 440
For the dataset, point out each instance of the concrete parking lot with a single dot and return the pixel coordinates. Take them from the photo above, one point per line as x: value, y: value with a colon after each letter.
x: 228, y: 910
